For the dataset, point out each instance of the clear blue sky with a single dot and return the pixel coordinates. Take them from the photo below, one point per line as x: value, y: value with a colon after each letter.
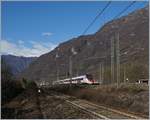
x: 31, y: 24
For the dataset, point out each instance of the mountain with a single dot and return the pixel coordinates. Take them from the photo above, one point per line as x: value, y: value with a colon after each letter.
x: 133, y: 40
x: 16, y: 63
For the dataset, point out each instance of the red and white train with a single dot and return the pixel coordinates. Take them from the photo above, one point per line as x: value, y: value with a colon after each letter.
x: 83, y: 79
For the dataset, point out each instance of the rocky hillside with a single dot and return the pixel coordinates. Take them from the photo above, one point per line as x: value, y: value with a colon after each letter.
x: 17, y: 64
x: 133, y: 35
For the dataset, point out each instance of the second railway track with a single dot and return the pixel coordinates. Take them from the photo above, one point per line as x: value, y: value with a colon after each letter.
x: 97, y: 111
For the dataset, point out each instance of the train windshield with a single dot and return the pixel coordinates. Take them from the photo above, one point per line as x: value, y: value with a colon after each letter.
x: 90, y: 77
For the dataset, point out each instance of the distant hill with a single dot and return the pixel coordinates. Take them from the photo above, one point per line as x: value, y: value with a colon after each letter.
x: 16, y: 63
x: 134, y: 44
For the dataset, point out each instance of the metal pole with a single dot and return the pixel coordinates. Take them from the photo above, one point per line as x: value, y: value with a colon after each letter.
x: 124, y: 73
x: 57, y: 72
x: 112, y: 60
x: 100, y: 73
x: 70, y: 69
x: 118, y: 59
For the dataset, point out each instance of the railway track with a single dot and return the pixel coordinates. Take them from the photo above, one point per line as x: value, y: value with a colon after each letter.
x: 97, y: 111
x: 100, y: 111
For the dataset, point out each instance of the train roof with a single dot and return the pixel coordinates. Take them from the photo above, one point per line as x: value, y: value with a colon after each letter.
x: 82, y: 76
x: 78, y: 77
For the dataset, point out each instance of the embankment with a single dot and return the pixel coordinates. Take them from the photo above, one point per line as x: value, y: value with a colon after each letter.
x: 132, y: 98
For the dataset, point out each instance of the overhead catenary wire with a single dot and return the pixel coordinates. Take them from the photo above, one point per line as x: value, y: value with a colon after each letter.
x: 126, y: 8
x: 99, y: 14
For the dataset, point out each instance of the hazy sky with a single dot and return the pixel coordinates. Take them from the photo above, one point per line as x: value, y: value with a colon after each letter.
x: 35, y: 28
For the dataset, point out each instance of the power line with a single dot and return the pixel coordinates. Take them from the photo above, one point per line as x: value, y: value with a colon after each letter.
x: 125, y: 9
x: 101, y: 12
x: 96, y: 18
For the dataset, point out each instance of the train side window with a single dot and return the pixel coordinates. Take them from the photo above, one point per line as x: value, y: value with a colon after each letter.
x: 80, y: 79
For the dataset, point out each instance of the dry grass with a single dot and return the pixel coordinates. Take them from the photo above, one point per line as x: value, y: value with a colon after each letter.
x: 129, y: 97
x: 128, y: 88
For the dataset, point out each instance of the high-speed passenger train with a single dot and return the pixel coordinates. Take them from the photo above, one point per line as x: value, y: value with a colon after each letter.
x: 83, y: 79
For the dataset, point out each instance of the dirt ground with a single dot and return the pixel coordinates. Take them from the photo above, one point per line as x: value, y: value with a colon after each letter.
x: 31, y: 105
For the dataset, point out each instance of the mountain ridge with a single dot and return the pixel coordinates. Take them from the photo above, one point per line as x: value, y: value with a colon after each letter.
x: 133, y: 41
x: 17, y: 63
